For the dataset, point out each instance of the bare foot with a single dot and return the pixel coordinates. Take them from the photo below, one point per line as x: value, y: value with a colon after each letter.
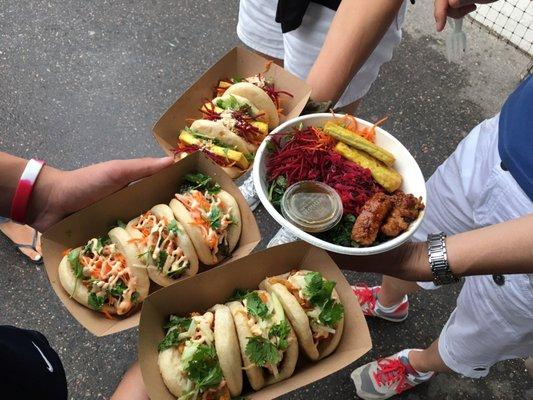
x: 22, y: 237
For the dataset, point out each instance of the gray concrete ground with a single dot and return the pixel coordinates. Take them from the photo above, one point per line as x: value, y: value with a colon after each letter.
x: 85, y: 81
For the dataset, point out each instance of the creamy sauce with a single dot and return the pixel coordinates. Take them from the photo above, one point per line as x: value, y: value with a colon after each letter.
x: 200, y: 205
x: 103, y: 268
x: 158, y: 237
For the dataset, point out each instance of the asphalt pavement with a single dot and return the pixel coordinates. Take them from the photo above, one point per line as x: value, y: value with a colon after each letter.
x: 83, y: 82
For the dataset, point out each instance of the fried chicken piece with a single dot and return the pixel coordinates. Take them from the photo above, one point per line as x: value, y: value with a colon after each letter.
x: 405, y: 210
x: 374, y: 211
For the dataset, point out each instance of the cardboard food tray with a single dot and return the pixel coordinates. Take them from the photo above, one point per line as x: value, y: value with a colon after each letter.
x: 237, y: 62
x: 203, y: 291
x: 126, y: 204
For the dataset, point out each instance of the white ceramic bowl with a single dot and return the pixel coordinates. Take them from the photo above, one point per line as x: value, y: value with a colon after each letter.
x: 405, y: 164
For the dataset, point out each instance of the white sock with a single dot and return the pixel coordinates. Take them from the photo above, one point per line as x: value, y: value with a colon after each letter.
x: 421, y: 375
x: 391, y: 308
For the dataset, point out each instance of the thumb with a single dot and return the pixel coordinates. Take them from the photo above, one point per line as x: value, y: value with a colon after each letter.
x: 127, y: 171
x: 440, y: 12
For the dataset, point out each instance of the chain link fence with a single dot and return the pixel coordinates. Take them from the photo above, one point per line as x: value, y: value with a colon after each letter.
x: 510, y: 20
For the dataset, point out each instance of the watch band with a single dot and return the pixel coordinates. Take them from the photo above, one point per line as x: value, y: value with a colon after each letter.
x: 19, y: 204
x: 438, y: 259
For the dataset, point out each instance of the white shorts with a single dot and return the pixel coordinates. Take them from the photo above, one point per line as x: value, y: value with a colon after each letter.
x: 471, y: 190
x: 299, y: 48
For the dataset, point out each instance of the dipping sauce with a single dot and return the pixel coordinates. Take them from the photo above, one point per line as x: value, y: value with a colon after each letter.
x: 311, y: 206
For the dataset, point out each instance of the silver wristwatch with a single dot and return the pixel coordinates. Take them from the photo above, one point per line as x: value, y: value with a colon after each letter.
x: 438, y: 260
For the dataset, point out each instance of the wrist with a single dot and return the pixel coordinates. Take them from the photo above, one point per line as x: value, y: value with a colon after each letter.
x: 42, y: 201
x: 414, y: 262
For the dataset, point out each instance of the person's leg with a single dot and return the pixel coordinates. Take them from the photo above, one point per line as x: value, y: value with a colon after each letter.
x: 428, y: 360
x: 26, y: 239
x: 394, y: 290
x: 131, y: 387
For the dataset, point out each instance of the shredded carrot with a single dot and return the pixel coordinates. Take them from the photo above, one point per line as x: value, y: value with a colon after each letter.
x: 201, y: 199
x: 65, y: 252
x: 213, y: 241
x: 106, y: 314
x: 263, y: 297
x: 268, y: 64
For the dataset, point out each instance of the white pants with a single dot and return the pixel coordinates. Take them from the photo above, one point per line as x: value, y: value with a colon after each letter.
x: 299, y: 48
x: 471, y: 190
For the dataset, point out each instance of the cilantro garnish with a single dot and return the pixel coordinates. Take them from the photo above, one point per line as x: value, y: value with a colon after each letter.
x: 318, y: 290
x: 162, y: 259
x: 178, y: 322
x: 147, y: 253
x: 204, y: 368
x: 135, y: 296
x: 172, y: 338
x: 74, y: 260
x: 255, y: 306
x: 202, y: 182
x: 214, y: 216
x: 173, y: 227
x: 280, y: 332
x: 96, y: 302
x: 341, y: 234
x: 121, y: 224
x: 118, y: 290
x: 276, y: 191
x: 232, y: 103
x: 331, y: 313
x: 237, y: 79
x: 261, y: 351
x: 238, y: 294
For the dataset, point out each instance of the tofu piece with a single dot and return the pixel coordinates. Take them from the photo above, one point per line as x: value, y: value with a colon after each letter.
x: 351, y: 139
x: 233, y: 155
x: 383, y: 174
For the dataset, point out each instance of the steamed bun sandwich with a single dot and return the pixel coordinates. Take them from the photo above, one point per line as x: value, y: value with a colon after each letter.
x: 163, y: 245
x: 313, y: 308
x: 234, y: 123
x: 199, y: 356
x: 210, y: 217
x: 105, y: 275
x: 267, y: 341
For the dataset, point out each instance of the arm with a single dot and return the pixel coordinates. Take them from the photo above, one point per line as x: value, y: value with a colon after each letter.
x: 505, y: 248
x: 58, y: 193
x: 356, y: 30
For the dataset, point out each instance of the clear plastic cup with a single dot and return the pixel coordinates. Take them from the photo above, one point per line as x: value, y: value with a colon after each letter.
x: 312, y: 206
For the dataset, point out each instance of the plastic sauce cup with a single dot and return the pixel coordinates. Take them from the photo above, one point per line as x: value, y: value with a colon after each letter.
x: 312, y: 206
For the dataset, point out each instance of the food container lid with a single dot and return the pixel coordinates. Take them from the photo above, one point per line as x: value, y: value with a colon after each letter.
x: 312, y: 206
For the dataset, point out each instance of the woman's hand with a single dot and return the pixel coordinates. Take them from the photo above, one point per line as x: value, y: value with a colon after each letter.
x: 454, y: 9
x: 59, y: 193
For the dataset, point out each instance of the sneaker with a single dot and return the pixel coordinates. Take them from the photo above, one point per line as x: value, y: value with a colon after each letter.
x: 387, y: 377
x: 368, y: 299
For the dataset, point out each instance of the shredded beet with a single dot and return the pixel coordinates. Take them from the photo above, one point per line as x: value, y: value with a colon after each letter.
x: 275, y: 94
x: 308, y: 154
x: 185, y: 148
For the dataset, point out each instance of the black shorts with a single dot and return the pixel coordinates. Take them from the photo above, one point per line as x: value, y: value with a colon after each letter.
x: 29, y: 367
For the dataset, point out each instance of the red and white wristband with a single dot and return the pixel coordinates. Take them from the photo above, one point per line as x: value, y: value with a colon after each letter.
x: 21, y: 199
